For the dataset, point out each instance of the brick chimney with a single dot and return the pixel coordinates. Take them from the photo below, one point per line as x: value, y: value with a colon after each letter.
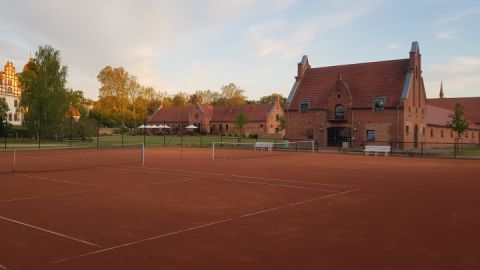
x: 302, y: 67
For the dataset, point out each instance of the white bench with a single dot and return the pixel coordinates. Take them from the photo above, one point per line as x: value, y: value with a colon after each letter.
x: 377, y: 149
x: 264, y: 146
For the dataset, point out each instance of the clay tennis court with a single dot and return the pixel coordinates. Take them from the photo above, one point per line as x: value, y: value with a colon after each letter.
x: 181, y: 210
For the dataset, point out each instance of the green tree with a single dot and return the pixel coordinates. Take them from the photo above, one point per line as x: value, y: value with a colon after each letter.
x: 281, y: 122
x: 204, y: 97
x: 44, y: 93
x: 240, y: 122
x: 272, y: 99
x: 458, y: 122
x: 3, y: 117
x: 180, y: 99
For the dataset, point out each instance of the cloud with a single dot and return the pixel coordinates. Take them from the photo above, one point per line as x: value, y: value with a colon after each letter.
x: 448, y: 35
x: 460, y: 16
x: 393, y: 46
x: 460, y: 74
x: 281, y: 38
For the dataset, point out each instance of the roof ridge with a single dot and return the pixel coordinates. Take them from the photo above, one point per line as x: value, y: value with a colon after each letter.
x: 363, y: 63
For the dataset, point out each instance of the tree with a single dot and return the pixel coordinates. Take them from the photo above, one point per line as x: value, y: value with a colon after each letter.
x: 44, y: 93
x: 232, y: 95
x: 180, y: 99
x: 458, y: 122
x: 272, y: 99
x: 3, y: 117
x: 281, y: 122
x: 204, y: 97
x: 241, y: 121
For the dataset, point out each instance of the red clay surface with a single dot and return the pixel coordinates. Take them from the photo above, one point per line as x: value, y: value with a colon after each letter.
x: 247, y: 210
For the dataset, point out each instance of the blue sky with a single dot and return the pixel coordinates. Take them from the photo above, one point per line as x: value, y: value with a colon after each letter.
x: 197, y: 45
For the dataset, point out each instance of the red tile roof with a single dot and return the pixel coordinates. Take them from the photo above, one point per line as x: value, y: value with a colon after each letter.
x: 471, y: 106
x: 254, y: 112
x: 365, y: 80
x: 438, y: 116
x: 171, y: 115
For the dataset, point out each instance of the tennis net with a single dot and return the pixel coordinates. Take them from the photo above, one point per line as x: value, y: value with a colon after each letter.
x: 232, y: 150
x: 70, y: 158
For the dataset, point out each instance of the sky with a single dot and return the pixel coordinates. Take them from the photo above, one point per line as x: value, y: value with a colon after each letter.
x: 198, y: 45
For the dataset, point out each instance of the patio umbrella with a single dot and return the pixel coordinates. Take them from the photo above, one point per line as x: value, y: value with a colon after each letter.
x: 165, y: 126
x: 191, y: 127
x: 142, y: 126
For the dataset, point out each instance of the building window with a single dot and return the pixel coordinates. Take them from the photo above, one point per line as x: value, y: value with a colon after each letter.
x: 277, y: 117
x: 407, y: 129
x: 304, y: 106
x: 10, y: 83
x: 226, y: 127
x: 10, y: 117
x: 441, y: 133
x: 431, y: 132
x: 15, y: 103
x: 9, y: 90
x: 379, y: 104
x: 15, y: 117
x: 196, y: 116
x: 339, y: 112
x: 261, y: 125
x: 370, y: 135
x: 423, y: 131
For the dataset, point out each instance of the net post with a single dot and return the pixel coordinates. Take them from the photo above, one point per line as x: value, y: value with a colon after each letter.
x: 143, y: 154
x: 14, y: 159
x: 313, y: 146
x: 213, y: 150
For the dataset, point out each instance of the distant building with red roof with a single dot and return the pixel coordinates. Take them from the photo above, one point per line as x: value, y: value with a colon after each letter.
x: 375, y: 101
x: 262, y: 119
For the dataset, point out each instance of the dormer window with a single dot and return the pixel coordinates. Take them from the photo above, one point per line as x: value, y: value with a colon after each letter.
x: 304, y: 106
x: 379, y: 104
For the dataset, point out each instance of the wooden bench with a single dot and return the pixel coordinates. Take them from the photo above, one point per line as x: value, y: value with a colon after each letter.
x: 264, y: 146
x: 377, y: 149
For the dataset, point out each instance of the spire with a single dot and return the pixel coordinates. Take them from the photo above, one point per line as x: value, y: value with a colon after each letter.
x: 441, y: 90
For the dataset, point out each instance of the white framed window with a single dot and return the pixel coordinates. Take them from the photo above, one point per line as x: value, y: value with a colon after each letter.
x: 370, y: 135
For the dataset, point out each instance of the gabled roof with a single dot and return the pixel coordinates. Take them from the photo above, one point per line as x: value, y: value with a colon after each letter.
x: 438, y: 116
x: 253, y: 112
x: 171, y: 115
x: 365, y: 80
x: 471, y: 106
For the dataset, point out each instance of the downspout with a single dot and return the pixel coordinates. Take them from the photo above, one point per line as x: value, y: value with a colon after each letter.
x: 324, y: 126
x: 398, y: 123
x: 351, y: 137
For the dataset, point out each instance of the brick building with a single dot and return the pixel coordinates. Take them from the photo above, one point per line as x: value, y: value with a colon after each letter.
x: 10, y: 91
x: 262, y: 119
x: 375, y: 101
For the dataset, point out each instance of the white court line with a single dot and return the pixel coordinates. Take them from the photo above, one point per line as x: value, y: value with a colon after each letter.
x: 239, y: 181
x: 50, y: 232
x: 49, y: 196
x: 442, y: 169
x: 246, y: 176
x: 54, y: 180
x: 279, y: 185
x: 199, y: 227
